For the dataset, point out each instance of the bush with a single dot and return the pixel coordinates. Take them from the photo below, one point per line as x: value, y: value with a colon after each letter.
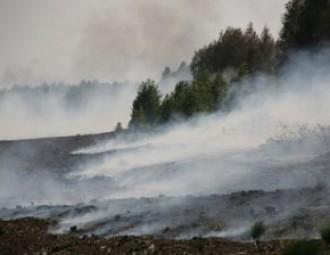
x: 302, y: 247
x: 257, y: 230
x: 325, y: 233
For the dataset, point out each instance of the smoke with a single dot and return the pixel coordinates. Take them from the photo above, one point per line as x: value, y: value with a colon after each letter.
x: 277, y: 138
x: 215, y: 153
x: 114, y: 40
x: 63, y: 109
x: 103, y: 40
x: 135, y: 39
x: 209, y: 154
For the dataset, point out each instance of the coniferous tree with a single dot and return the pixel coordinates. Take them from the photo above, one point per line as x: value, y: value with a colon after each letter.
x: 219, y: 91
x: 306, y: 24
x: 167, y: 110
x: 146, y: 106
x: 235, y: 48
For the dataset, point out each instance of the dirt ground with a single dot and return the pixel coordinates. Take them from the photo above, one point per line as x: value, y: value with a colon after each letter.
x: 170, y: 222
x: 30, y: 236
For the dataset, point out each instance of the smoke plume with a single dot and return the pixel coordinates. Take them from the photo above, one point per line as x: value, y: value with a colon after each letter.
x: 114, y: 40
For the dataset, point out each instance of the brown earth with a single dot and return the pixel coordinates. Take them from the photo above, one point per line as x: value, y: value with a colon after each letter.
x: 30, y: 236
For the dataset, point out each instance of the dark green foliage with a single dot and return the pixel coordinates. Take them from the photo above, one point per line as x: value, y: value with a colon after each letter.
x: 325, y: 233
x: 146, y: 106
x: 167, y: 109
x: 183, y: 99
x: 257, y: 230
x: 235, y: 48
x: 205, y: 94
x: 302, y: 247
x: 242, y: 71
x: 306, y: 23
x: 219, y: 91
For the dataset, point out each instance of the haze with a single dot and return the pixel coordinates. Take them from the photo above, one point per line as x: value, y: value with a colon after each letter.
x: 45, y: 40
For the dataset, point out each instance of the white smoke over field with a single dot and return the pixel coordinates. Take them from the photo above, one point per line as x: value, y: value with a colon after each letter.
x: 281, y: 126
x: 277, y: 139
x: 62, y: 109
x: 105, y: 40
x: 217, y: 152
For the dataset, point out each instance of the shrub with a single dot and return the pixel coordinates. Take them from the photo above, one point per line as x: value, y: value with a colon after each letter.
x: 74, y: 229
x: 257, y: 230
x: 302, y: 247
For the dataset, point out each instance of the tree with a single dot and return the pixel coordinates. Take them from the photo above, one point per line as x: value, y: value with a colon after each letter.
x: 268, y: 52
x: 166, y: 110
x: 258, y: 229
x: 166, y: 73
x: 235, y: 48
x: 243, y: 70
x: 146, y: 106
x: 202, y: 93
x: 119, y: 127
x: 219, y: 91
x: 306, y: 24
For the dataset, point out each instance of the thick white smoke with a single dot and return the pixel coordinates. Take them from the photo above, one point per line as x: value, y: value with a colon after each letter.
x: 48, y: 40
x: 62, y: 110
x: 218, y: 151
x: 271, y: 141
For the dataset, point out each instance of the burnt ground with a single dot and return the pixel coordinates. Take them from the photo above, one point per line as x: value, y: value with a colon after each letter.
x: 53, y: 154
x: 30, y: 236
x: 158, y: 225
x: 287, y: 214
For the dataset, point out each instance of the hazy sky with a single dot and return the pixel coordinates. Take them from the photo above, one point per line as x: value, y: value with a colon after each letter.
x: 69, y: 40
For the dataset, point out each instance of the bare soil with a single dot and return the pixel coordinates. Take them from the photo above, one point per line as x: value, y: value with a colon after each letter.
x: 30, y: 236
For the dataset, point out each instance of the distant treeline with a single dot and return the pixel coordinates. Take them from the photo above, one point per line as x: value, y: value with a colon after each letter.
x: 218, y: 68
x: 71, y: 96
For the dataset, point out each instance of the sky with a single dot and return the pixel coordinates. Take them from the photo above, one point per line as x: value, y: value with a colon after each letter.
x: 61, y: 40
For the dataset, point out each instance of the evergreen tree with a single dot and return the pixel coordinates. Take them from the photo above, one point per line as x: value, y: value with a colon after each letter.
x: 167, y: 109
x: 235, y: 48
x: 146, y: 106
x: 202, y: 93
x: 306, y: 24
x: 219, y: 92
x: 268, y: 52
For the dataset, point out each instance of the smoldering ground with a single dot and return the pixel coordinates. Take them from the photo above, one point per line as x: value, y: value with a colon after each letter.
x: 222, y: 143
x: 276, y: 140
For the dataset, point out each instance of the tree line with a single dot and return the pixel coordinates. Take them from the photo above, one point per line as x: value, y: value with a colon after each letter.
x: 306, y: 25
